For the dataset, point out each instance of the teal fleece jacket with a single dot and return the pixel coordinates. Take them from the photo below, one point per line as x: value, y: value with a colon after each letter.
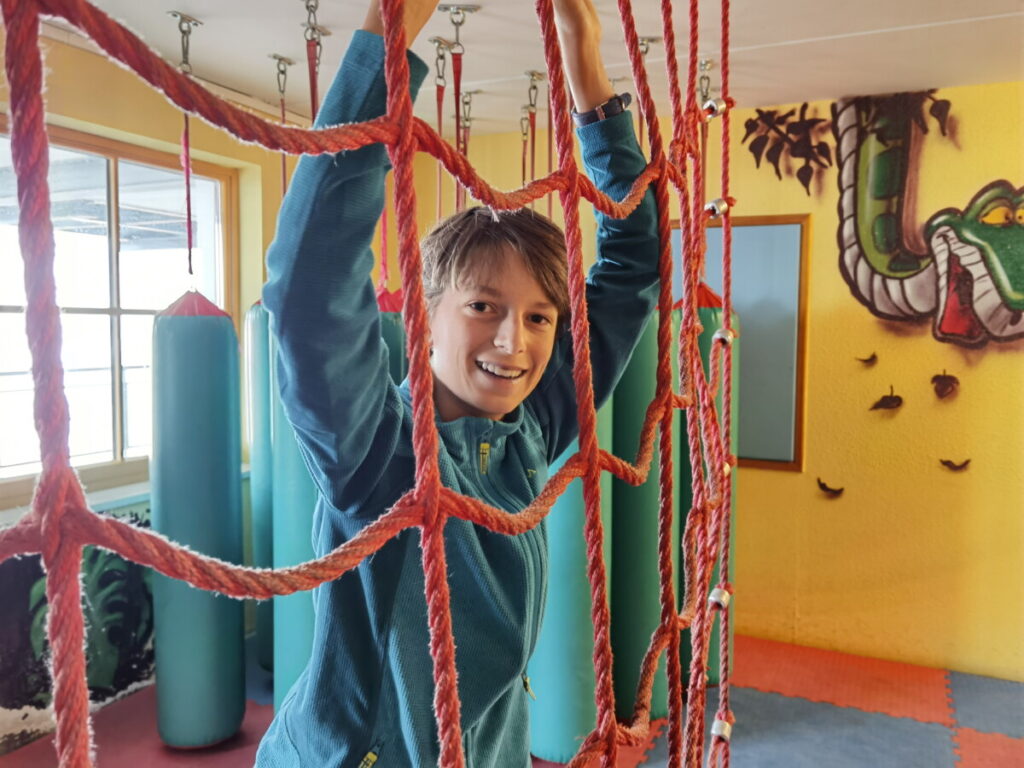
x: 368, y: 687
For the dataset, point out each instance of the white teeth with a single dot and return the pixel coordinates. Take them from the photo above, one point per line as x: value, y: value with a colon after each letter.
x: 497, y: 370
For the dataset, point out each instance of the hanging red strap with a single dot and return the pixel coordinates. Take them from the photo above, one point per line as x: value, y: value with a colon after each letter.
x: 532, y: 144
x: 284, y: 155
x: 460, y: 146
x: 551, y: 200
x: 314, y: 99
x: 526, y: 141
x: 440, y: 135
x: 186, y: 164
x: 387, y: 301
x: 640, y: 128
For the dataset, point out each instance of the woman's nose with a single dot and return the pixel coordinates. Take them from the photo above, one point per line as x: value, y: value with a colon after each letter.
x: 510, y: 335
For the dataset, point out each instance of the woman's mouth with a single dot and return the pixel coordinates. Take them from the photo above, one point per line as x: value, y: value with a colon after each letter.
x: 499, y: 371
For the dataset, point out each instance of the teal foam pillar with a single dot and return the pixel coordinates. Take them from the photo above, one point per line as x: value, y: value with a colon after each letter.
x: 197, y: 501
x: 635, y: 583
x: 257, y: 366
x: 561, y: 669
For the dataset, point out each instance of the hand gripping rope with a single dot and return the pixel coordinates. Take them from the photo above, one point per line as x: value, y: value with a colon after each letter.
x: 60, y: 523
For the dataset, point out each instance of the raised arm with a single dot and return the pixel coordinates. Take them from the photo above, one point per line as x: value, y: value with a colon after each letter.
x: 622, y: 285
x: 332, y: 365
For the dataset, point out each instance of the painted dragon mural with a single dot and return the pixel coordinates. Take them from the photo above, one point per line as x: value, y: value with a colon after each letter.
x: 964, y: 268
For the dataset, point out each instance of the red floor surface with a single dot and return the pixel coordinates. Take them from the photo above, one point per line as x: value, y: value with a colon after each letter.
x: 126, y: 738
x: 629, y: 757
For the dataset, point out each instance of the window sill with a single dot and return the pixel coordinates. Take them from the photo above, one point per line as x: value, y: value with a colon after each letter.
x: 104, y: 500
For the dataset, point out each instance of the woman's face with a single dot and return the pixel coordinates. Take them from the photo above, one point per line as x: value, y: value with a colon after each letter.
x: 492, y: 339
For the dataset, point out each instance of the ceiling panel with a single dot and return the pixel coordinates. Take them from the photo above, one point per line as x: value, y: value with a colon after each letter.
x: 783, y: 51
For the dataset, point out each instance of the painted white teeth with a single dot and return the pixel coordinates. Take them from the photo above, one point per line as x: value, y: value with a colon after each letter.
x: 497, y: 370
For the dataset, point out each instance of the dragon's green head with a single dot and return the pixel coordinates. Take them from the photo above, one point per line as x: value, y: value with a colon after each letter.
x: 993, y: 222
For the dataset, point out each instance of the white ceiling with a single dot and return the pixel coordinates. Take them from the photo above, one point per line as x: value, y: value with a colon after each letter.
x: 783, y: 51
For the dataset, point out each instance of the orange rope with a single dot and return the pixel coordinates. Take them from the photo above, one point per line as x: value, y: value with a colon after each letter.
x: 60, y: 523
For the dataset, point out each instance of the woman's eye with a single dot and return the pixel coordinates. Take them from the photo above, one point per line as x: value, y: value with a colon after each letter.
x: 541, y: 319
x: 478, y: 306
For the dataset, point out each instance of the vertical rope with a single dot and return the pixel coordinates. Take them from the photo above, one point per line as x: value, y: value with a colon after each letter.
x: 186, y: 164
x: 604, y: 693
x: 425, y: 440
x: 284, y: 155
x: 460, y: 191
x: 58, y: 488
x: 311, y: 65
x: 439, y: 95
x: 720, y: 752
x: 550, y: 143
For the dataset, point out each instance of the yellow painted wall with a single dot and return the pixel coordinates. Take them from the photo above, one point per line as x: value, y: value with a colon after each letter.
x: 913, y: 562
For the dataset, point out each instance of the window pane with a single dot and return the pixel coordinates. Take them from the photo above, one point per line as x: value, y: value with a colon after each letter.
x: 87, y: 384
x: 12, y: 284
x: 78, y: 207
x: 154, y: 260
x: 19, y: 445
x: 136, y: 361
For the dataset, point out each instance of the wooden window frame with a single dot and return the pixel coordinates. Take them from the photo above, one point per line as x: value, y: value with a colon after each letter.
x: 17, y: 491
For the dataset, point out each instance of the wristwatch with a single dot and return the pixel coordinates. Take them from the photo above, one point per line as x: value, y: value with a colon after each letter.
x: 613, y: 106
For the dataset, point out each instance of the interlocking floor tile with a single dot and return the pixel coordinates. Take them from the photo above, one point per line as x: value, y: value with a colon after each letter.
x: 988, y: 705
x: 871, y: 685
x: 774, y: 731
x: 988, y: 750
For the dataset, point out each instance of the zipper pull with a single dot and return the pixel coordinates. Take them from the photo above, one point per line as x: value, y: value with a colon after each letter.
x: 369, y: 760
x: 526, y: 685
x: 485, y: 453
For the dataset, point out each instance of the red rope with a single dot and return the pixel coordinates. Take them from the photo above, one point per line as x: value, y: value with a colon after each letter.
x: 522, y: 160
x: 186, y: 164
x: 60, y: 523
x: 550, y: 142
x: 284, y: 156
x: 440, y: 134
x: 314, y: 99
x: 533, y: 145
x: 460, y: 146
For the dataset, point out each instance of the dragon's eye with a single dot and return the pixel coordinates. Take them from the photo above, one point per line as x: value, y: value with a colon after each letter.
x: 1020, y: 215
x: 999, y: 216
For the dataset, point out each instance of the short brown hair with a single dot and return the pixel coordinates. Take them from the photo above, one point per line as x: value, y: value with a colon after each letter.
x: 476, y: 240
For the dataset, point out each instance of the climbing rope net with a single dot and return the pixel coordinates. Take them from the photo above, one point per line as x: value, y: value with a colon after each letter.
x: 60, y: 523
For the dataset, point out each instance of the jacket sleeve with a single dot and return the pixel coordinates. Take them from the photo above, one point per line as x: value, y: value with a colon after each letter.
x: 622, y: 286
x: 332, y: 364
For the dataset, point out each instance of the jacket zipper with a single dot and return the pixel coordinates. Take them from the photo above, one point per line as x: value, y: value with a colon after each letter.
x: 526, y: 685
x: 370, y: 758
x: 485, y: 457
